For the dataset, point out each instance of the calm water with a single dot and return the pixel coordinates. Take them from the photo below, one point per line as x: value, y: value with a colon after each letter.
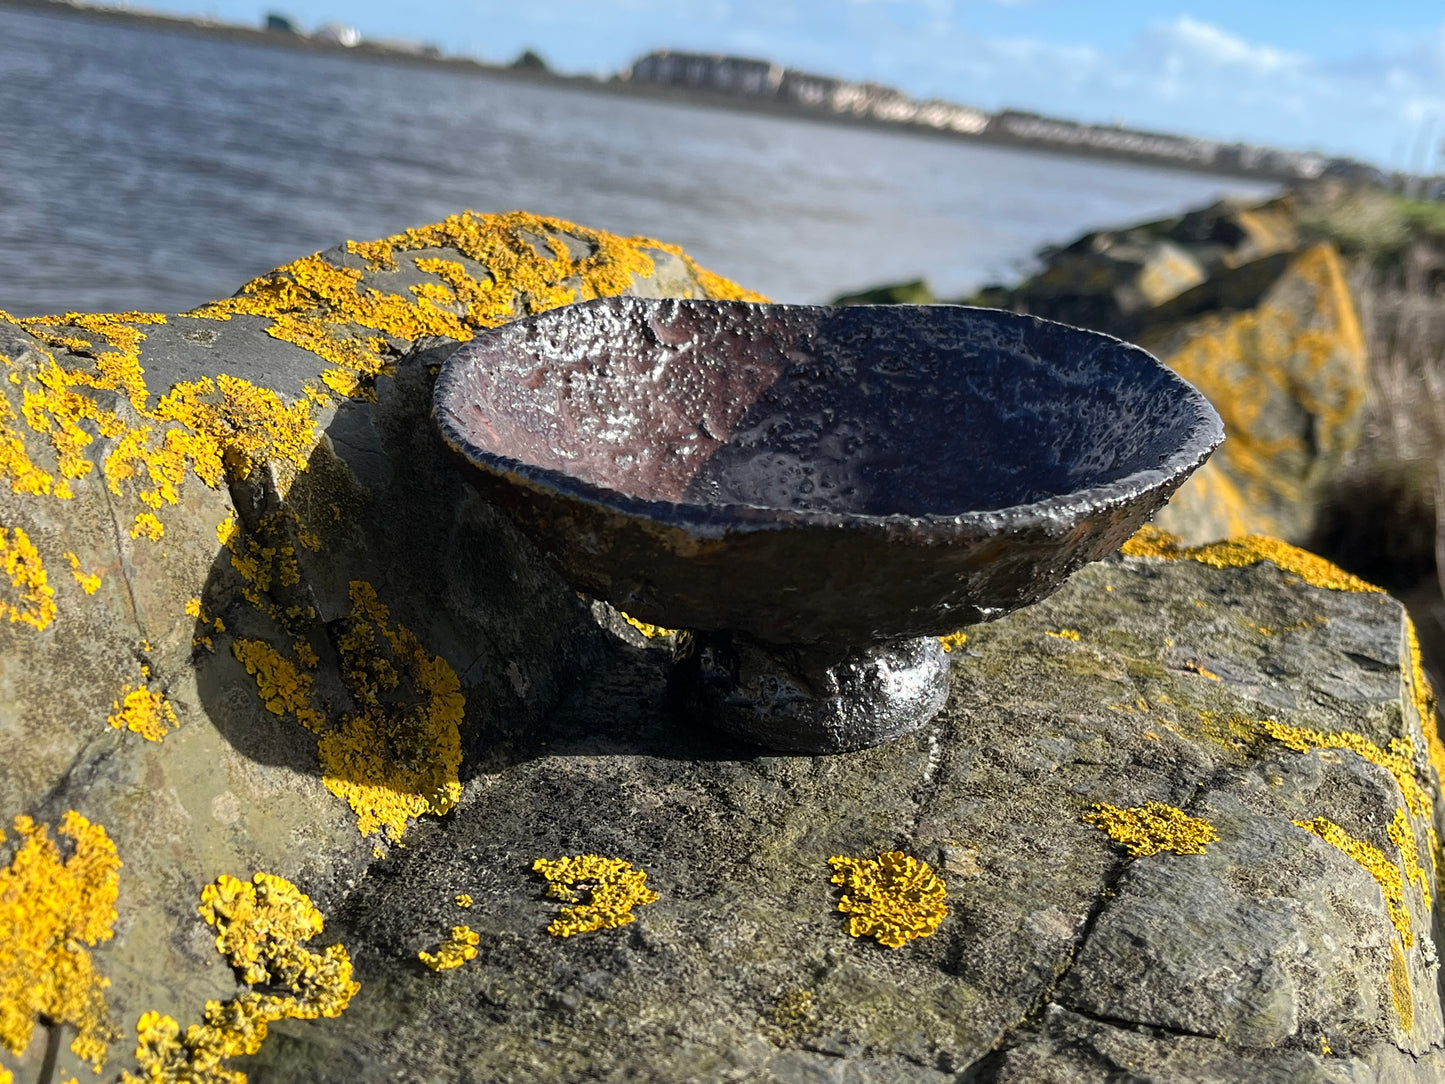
x: 151, y: 170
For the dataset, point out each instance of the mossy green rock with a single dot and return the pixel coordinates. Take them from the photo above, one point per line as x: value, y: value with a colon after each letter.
x: 1241, y: 695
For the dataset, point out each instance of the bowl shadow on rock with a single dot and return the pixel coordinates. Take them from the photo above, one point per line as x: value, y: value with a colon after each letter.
x: 378, y: 559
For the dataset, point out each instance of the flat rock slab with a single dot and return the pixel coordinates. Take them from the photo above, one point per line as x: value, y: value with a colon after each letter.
x: 363, y: 681
x: 1062, y: 958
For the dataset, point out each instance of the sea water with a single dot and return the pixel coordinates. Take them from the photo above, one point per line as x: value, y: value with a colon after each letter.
x: 154, y: 170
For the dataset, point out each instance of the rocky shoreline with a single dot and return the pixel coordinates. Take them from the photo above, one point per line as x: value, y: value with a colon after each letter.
x: 297, y: 737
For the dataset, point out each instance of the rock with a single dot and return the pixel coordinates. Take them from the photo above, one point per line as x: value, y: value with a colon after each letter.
x: 1104, y: 280
x: 1233, y: 299
x: 168, y: 528
x: 915, y: 292
x: 1266, y: 329
x: 1276, y: 346
x: 1269, y: 703
x: 1234, y: 232
x: 1112, y: 280
x: 369, y: 688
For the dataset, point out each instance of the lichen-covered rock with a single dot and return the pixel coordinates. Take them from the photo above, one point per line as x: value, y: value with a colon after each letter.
x: 1276, y: 346
x: 251, y: 619
x: 1220, y: 683
x: 1179, y: 822
x: 1266, y: 327
x: 1105, y: 280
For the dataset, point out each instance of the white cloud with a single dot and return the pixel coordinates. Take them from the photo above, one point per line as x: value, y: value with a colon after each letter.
x: 1185, y: 42
x: 1186, y: 75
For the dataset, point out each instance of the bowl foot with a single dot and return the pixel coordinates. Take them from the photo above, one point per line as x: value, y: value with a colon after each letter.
x: 813, y: 699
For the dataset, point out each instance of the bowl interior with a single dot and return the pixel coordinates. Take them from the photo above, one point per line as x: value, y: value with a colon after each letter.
x: 871, y: 410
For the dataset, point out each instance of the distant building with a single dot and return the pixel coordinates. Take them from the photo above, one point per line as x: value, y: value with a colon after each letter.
x: 806, y: 89
x: 1288, y: 165
x: 950, y: 117
x: 760, y: 79
x: 725, y: 74
x: 1105, y: 138
x: 338, y: 34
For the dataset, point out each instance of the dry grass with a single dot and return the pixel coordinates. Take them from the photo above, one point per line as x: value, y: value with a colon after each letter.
x: 1385, y: 517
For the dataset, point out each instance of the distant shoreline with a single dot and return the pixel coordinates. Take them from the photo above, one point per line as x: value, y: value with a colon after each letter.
x: 377, y: 51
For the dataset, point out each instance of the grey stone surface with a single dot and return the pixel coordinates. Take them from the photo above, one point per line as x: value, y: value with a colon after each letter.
x: 1062, y: 958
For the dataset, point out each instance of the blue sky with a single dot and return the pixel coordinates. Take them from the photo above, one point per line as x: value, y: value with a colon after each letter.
x: 1366, y: 80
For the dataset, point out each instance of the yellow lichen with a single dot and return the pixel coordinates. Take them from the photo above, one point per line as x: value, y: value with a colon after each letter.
x: 35, y: 601
x: 116, y: 368
x: 261, y: 926
x: 953, y: 640
x: 359, y: 330
x: 228, y: 529
x: 1402, y: 835
x: 652, y: 632
x: 456, y: 950
x: 464, y: 900
x: 1064, y: 634
x: 306, y: 654
x: 1398, y: 759
x: 893, y: 898
x: 147, y: 526
x: 1400, y: 992
x: 1150, y: 541
x: 1373, y: 861
x: 397, y: 755
x: 144, y: 711
x: 612, y: 888
x: 393, y: 759
x: 1152, y: 828
x: 1422, y: 696
x: 89, y: 582
x: 1300, y: 352
x: 284, y: 688
x: 50, y: 909
x: 218, y: 428
x: 15, y: 462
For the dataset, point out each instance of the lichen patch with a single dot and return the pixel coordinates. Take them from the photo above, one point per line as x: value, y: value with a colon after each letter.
x: 1376, y: 864
x: 51, y: 909
x: 1152, y: 828
x: 1243, y: 551
x: 89, y: 581
x: 144, y: 711
x: 31, y: 599
x: 893, y: 898
x: 652, y: 632
x: 261, y: 926
x: 456, y: 950
x: 611, y: 887
x: 953, y: 640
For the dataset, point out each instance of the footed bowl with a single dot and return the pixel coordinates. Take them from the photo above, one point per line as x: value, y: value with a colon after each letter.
x: 818, y: 481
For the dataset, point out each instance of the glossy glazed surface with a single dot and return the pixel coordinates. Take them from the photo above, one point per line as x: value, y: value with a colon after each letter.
x: 808, y: 474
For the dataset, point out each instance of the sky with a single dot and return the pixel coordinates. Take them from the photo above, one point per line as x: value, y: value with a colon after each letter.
x: 1362, y: 80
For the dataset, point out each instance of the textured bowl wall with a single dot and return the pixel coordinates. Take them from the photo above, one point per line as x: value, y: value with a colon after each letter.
x: 811, y: 474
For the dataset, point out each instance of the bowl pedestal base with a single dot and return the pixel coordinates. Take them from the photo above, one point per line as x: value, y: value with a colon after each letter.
x: 814, y: 698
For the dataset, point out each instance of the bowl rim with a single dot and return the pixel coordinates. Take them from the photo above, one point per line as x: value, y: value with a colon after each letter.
x: 724, y: 519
